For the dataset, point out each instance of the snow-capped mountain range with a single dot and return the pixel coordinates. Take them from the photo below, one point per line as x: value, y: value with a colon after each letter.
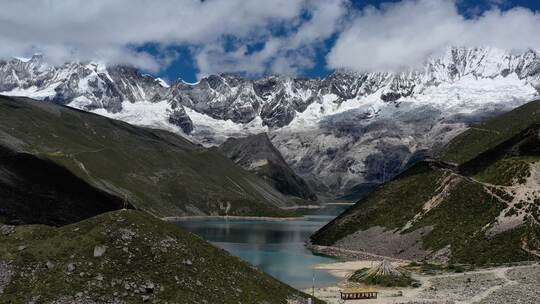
x: 347, y: 129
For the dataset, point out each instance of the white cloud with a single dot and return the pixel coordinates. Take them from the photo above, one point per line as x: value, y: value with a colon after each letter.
x: 402, y: 35
x: 284, y: 54
x: 395, y: 36
x: 107, y: 30
x: 498, y: 2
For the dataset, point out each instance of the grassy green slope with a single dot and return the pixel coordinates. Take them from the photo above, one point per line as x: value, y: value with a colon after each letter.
x: 464, y: 201
x: 493, y: 132
x: 457, y: 221
x: 158, y: 171
x: 391, y: 205
x: 145, y: 258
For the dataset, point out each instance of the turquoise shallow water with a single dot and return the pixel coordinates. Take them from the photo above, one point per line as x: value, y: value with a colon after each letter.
x: 276, y: 248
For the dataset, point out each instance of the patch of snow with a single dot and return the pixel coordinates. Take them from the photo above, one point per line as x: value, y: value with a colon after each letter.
x: 143, y: 113
x: 189, y: 83
x: 162, y: 82
x: 470, y: 93
x: 209, y: 131
x: 34, y: 92
x: 80, y: 102
x: 23, y: 59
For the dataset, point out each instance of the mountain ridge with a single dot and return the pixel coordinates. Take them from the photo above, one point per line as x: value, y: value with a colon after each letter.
x: 342, y: 130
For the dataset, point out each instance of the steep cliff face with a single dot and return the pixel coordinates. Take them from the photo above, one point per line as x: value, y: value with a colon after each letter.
x: 347, y: 129
x: 256, y: 153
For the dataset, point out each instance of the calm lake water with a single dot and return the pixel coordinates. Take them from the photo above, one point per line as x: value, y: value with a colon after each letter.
x: 276, y: 248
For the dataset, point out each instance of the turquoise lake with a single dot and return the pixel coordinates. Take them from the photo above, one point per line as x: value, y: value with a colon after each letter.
x: 275, y: 247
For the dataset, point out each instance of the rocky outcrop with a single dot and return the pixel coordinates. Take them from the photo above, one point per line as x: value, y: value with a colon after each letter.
x: 6, y: 273
x: 179, y: 118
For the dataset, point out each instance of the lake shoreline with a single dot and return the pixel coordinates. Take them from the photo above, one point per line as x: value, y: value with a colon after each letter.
x: 303, y: 207
x: 230, y: 217
x: 273, y: 245
x: 350, y: 255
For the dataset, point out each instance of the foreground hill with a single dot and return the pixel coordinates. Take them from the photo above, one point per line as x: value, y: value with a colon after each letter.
x: 126, y: 257
x: 256, y: 154
x: 53, y: 154
x: 480, y: 203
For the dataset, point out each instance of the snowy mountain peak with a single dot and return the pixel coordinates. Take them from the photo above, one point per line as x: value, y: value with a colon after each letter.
x: 339, y: 130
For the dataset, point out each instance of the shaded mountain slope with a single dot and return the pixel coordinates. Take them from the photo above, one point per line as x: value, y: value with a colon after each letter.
x: 126, y: 257
x: 480, y: 205
x: 155, y: 170
x: 256, y: 154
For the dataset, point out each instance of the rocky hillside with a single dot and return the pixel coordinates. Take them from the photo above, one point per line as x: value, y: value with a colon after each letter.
x: 155, y: 170
x: 479, y: 202
x: 126, y: 257
x: 345, y: 130
x: 256, y: 154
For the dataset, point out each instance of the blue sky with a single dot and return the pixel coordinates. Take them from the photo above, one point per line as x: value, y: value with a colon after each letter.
x: 190, y: 39
x: 185, y: 67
